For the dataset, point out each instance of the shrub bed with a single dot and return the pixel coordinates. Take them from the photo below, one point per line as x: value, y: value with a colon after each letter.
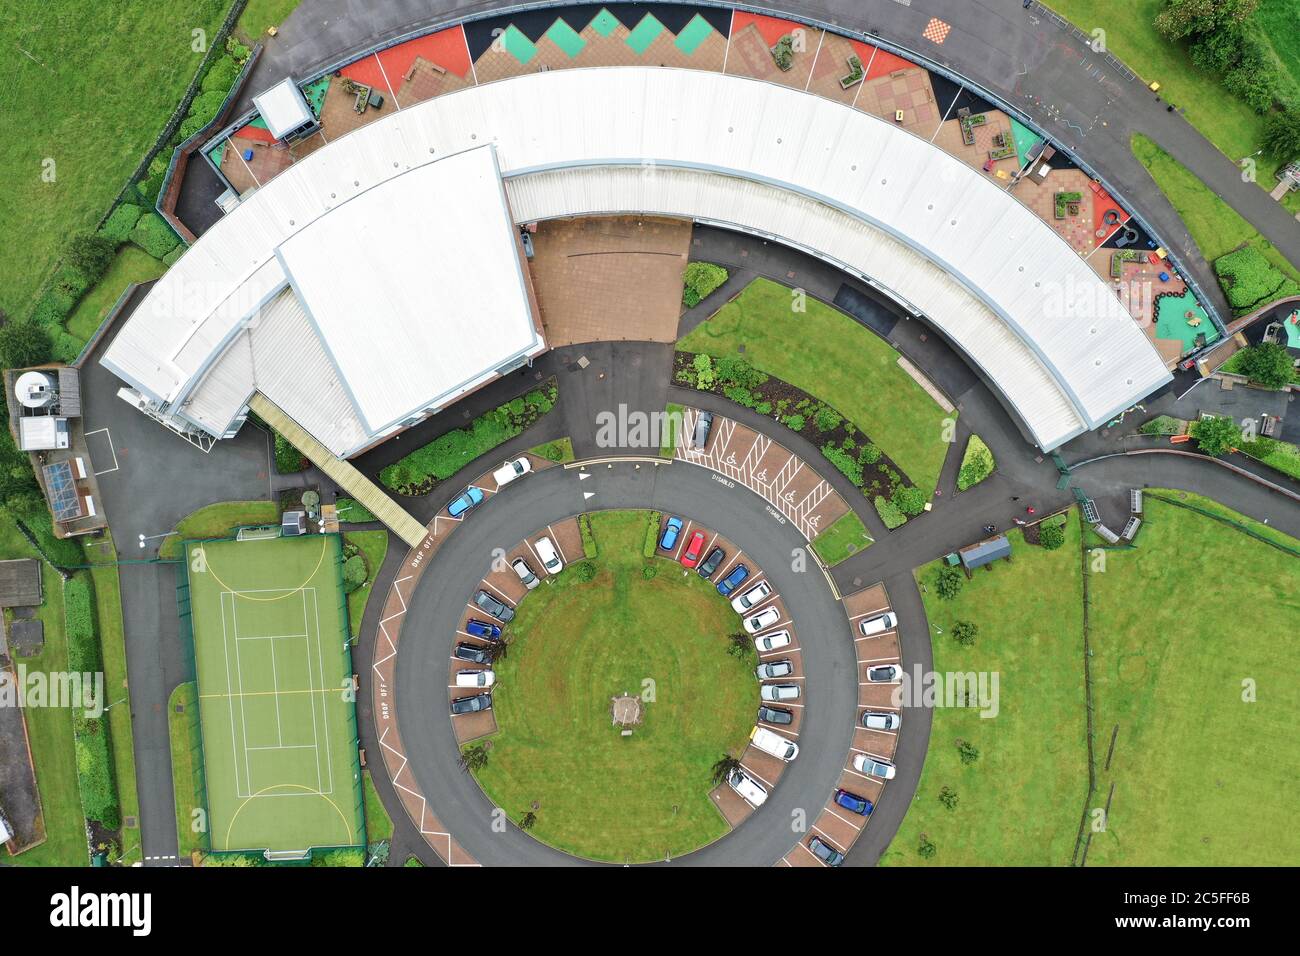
x: 288, y: 459
x: 420, y: 472
x: 1282, y: 455
x: 976, y: 464
x: 1251, y: 281
x: 1163, y: 425
x: 700, y: 280
x: 842, y: 443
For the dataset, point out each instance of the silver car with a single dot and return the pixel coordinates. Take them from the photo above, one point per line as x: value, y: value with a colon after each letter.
x: 773, y: 692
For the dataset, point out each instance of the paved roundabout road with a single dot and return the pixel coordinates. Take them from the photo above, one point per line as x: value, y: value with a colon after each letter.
x: 549, y: 496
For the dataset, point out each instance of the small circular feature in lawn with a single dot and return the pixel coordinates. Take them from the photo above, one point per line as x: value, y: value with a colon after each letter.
x: 618, y: 694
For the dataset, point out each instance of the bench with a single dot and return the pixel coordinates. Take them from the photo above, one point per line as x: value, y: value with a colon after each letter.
x: 1131, y: 528
x: 1105, y: 533
x: 1090, y: 513
x: 1135, y: 501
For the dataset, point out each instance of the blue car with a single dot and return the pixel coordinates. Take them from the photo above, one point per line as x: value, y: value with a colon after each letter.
x: 852, y: 802
x: 671, y: 531
x: 471, y: 497
x: 489, y: 632
x: 733, y: 580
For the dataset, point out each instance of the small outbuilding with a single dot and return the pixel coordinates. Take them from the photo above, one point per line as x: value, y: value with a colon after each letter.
x: 985, y: 552
x: 20, y: 583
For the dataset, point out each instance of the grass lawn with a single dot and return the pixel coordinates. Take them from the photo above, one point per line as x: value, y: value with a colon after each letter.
x: 49, y: 729
x: 89, y: 86
x: 1202, y: 778
x: 560, y: 450
x: 217, y: 521
x: 131, y: 265
x: 187, y: 763
x: 379, y: 825
x: 668, y: 438
x: 353, y: 512
x: 1131, y: 35
x: 1019, y: 803
x: 574, y: 646
x: 112, y: 640
x: 260, y: 14
x: 1215, y: 226
x: 847, y: 536
x: 373, y: 545
x: 829, y: 355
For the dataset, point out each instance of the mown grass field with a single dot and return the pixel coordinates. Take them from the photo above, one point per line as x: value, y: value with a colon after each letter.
x: 829, y: 355
x: 374, y: 546
x: 1202, y: 777
x: 88, y: 87
x: 131, y: 265
x: 216, y: 521
x: 846, y: 537
x: 574, y: 646
x: 187, y: 763
x: 1019, y: 804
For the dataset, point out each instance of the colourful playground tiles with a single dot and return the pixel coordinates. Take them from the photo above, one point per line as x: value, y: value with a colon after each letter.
x: 644, y: 33
x: 565, y: 37
x: 1172, y: 320
x: 391, y: 67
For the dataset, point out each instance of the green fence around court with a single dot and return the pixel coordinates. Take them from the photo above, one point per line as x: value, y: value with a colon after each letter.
x: 1224, y: 519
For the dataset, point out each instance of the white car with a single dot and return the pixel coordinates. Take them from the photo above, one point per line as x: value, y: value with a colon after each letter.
x: 779, y: 692
x: 550, y: 557
x: 755, y: 595
x: 744, y: 785
x: 772, y: 642
x: 878, y: 624
x: 473, y: 678
x: 770, y: 742
x: 880, y: 769
x: 764, y: 618
x: 512, y: 470
x: 772, y: 670
x: 882, y: 720
x: 525, y: 573
x: 884, y: 673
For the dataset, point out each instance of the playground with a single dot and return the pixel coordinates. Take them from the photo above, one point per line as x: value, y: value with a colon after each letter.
x: 276, y: 702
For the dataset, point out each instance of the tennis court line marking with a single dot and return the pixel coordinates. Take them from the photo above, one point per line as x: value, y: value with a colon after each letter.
x: 325, y: 716
x: 225, y: 647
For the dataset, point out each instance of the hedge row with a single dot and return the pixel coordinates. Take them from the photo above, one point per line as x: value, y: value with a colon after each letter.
x: 700, y: 280
x: 1251, y: 281
x: 94, y: 749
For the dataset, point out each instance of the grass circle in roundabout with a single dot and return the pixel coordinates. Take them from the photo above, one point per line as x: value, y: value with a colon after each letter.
x: 639, y: 626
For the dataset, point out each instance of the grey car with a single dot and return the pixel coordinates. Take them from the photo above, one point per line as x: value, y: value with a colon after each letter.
x: 471, y: 705
x: 498, y: 609
x: 703, y: 426
x: 774, y: 669
x: 775, y: 715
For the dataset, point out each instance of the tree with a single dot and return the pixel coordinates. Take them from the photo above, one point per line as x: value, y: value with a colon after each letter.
x: 1267, y: 364
x: 724, y: 768
x: 527, y: 820
x: 948, y: 797
x: 497, y: 651
x: 948, y: 582
x: 473, y: 758
x: 968, y: 752
x: 1051, y: 536
x: 738, y: 645
x: 925, y: 848
x: 90, y: 255
x: 23, y: 344
x: 1215, y: 435
x: 1184, y: 18
x: 909, y: 500
x: 964, y: 633
x: 1282, y: 134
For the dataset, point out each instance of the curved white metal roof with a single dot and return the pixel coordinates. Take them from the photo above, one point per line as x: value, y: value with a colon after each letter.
x: 999, y: 282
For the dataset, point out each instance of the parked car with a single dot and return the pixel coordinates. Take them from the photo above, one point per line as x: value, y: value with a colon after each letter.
x: 525, y: 573
x: 498, y: 609
x: 550, y: 558
x: 471, y: 705
x: 825, y: 852
x: 772, y: 642
x: 668, y: 540
x: 774, y: 669
x: 691, y: 553
x: 878, y: 624
x: 471, y: 497
x: 489, y: 632
x: 733, y: 580
x: 775, y: 715
x: 880, y: 769
x: 472, y: 653
x: 763, y: 619
x: 884, y: 673
x: 511, y: 470
x: 882, y: 720
x: 712, y: 563
x: 779, y: 692
x: 770, y: 742
x: 853, y: 803
x: 703, y: 426
x: 749, y: 790
x: 755, y: 595
x: 475, y: 678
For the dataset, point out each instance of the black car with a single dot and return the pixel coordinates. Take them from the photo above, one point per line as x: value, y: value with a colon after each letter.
x: 472, y: 653
x: 825, y: 852
x: 471, y: 705
x: 712, y: 563
x: 498, y: 609
x: 775, y: 715
x: 703, y: 425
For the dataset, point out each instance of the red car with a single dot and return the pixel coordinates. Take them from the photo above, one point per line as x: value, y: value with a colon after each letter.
x: 694, y: 548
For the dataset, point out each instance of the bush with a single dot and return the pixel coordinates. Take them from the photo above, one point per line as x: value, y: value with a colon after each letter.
x: 794, y: 422
x: 976, y: 464
x: 355, y: 573
x: 288, y: 460
x: 203, y: 111
x: 154, y: 236
x: 1267, y: 364
x: 95, y: 771
x: 734, y: 370
x: 699, y: 280
x: 948, y: 797
x: 348, y: 856
x: 889, y: 513
x: 704, y: 377
x: 84, y: 656
x: 948, y: 582
x: 910, y: 501
x: 869, y: 454
x: 740, y: 395
x: 1051, y: 536
x: 845, y: 462
x: 586, y: 571
x: 238, y: 52
x: 783, y: 52
x: 1282, y: 134
x: 968, y: 752
x: 117, y: 227
x: 924, y: 848
x: 23, y: 344
x: 1250, y: 280
x: 221, y: 75
x: 588, y: 539
x: 1163, y: 425
x: 1215, y: 435
x: 827, y: 419
x: 650, y: 541
x: 965, y: 632
x: 90, y: 256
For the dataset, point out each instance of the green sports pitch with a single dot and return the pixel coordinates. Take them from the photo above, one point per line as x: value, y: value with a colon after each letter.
x: 276, y: 706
